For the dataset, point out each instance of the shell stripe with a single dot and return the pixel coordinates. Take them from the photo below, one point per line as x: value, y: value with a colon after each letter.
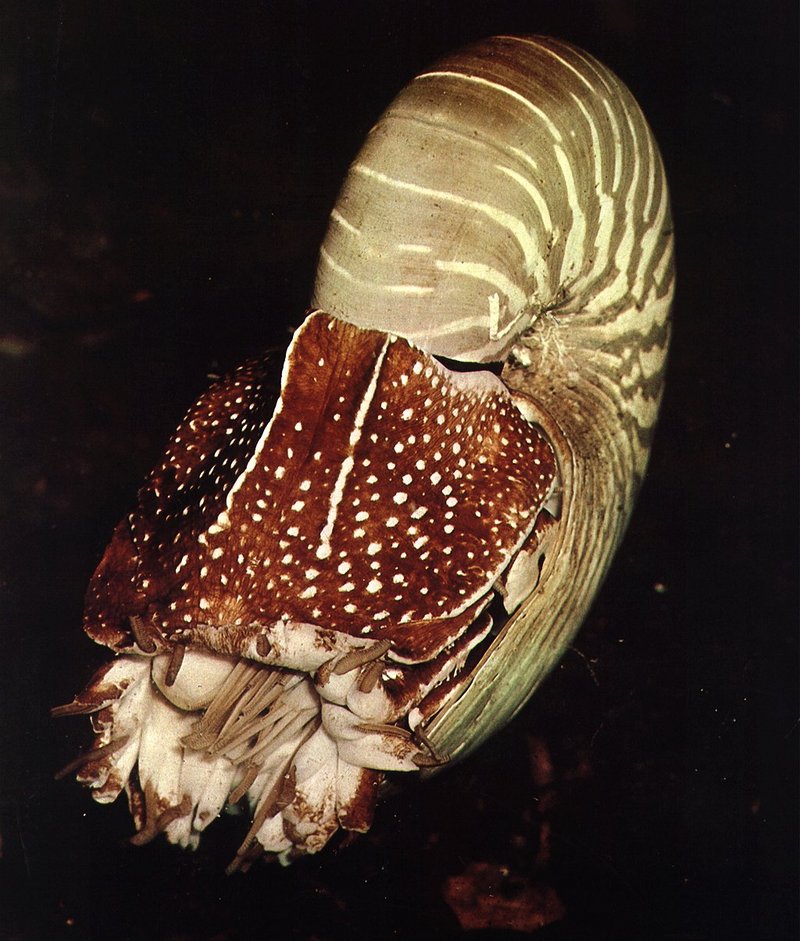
x: 501, y: 89
x: 495, y: 215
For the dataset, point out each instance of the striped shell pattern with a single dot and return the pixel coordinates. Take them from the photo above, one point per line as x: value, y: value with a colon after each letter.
x: 370, y: 569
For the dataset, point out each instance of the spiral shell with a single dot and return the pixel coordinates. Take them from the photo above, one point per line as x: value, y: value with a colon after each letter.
x: 372, y: 570
x: 511, y: 205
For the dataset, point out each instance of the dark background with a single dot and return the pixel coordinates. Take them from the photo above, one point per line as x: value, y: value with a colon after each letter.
x: 166, y: 170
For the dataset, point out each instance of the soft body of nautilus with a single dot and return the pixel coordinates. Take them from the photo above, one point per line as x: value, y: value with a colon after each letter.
x: 371, y: 569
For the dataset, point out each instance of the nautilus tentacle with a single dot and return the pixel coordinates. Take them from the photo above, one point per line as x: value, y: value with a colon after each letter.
x: 370, y: 568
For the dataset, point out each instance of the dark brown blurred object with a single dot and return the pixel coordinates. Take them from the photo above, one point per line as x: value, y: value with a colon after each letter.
x: 489, y: 896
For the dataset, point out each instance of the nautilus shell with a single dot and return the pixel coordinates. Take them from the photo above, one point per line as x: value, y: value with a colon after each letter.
x: 369, y: 568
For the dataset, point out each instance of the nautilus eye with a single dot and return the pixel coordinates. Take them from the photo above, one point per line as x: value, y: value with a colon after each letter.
x: 369, y: 569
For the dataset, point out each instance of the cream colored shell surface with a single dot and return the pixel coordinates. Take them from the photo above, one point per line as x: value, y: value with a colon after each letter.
x: 511, y: 205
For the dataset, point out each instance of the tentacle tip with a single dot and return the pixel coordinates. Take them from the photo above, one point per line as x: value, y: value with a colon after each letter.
x: 425, y: 760
x: 74, y: 708
x: 143, y: 635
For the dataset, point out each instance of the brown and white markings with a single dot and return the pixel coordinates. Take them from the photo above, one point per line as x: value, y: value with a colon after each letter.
x: 292, y: 595
x: 352, y: 580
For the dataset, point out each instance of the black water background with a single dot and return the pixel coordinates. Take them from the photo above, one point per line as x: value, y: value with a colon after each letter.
x: 165, y: 175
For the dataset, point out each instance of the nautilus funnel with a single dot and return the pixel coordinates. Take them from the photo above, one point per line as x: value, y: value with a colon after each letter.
x: 368, y: 567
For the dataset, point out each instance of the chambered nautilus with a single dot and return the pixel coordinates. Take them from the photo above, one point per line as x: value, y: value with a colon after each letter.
x: 370, y: 569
